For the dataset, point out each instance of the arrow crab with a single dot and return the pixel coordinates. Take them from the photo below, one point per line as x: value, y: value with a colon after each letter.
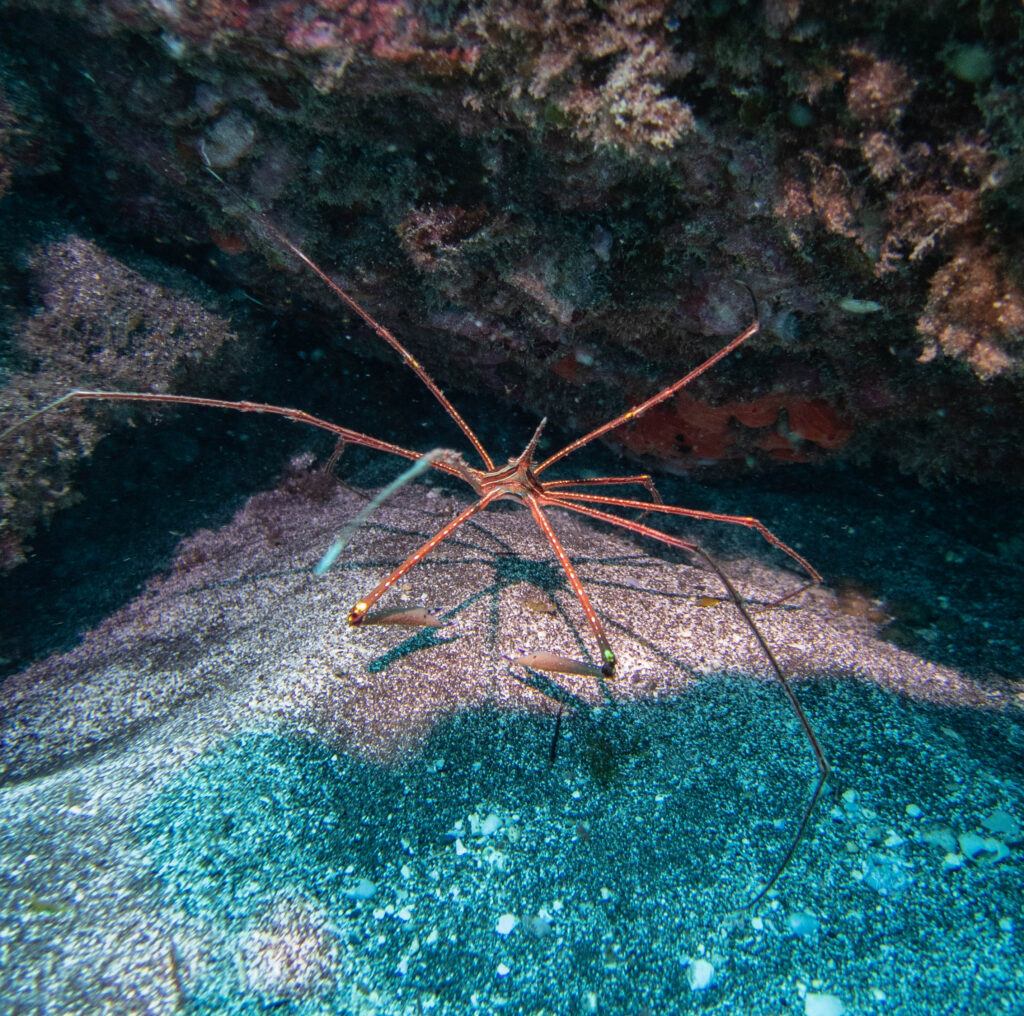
x: 523, y: 479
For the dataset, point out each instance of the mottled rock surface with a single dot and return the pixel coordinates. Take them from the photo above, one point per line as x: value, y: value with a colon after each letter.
x: 562, y: 204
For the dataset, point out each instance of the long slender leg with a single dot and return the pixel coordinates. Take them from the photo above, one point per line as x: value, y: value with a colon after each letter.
x: 824, y: 769
x: 407, y: 358
x: 638, y: 410
x: 643, y: 479
x: 693, y: 513
x: 295, y: 415
x: 607, y: 656
x: 358, y: 612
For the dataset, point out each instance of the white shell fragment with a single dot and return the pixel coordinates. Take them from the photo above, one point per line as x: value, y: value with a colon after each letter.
x: 364, y: 889
x: 700, y: 975
x: 802, y: 923
x: 486, y: 826
x: 506, y: 923
x: 820, y: 1004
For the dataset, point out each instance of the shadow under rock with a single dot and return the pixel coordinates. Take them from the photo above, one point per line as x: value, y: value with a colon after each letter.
x: 142, y: 490
x: 945, y: 565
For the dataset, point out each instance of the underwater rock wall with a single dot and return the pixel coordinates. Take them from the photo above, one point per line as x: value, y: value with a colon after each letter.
x: 565, y: 206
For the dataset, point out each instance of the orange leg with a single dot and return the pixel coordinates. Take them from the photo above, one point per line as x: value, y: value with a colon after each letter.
x: 824, y: 769
x: 358, y: 612
x: 566, y: 496
x: 607, y: 656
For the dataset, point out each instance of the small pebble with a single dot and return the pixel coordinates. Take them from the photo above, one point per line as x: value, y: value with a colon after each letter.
x: 940, y: 836
x: 362, y: 890
x: 1002, y: 823
x: 228, y: 140
x: 506, y: 923
x: 820, y: 1004
x: 973, y: 64
x: 700, y: 975
x: 952, y: 861
x: 982, y: 849
x: 802, y: 924
x: 539, y: 926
